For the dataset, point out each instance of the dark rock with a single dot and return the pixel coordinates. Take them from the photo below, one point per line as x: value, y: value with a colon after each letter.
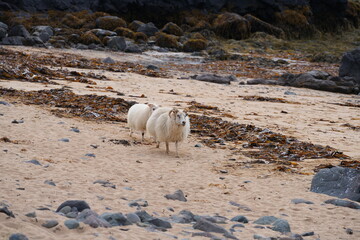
x: 65, y: 210
x: 152, y: 67
x: 18, y: 236
x: 343, y: 203
x: 159, y: 223
x: 75, y: 129
x: 139, y: 203
x: 92, y: 218
x: 349, y: 231
x: 90, y: 155
x: 3, y: 33
x: 78, y: 204
x: 50, y: 182
x: 101, y: 33
x: 105, y: 183
x: 350, y: 65
x: 110, y: 22
x: 133, y: 218
x: 18, y: 121
x: 213, y: 219
x: 144, y: 216
x: 133, y: 48
x: 81, y: 46
x: 31, y: 214
x: 232, y: 25
x: 116, y: 43
x: 108, y: 60
x: 7, y: 211
x: 307, y: 234
x: 71, y: 224
x: 266, y: 220
x: 19, y: 31
x: 233, y: 227
x: 71, y: 214
x: 194, y: 45
x: 64, y: 140
x: 5, y: 103
x: 338, y: 182
x: 34, y: 161
x: 148, y: 28
x: 258, y: 25
x: 50, y: 223
x: 289, y: 93
x: 116, y: 219
x: 240, y: 218
x: 207, y: 226
x: 184, y: 216
x: 177, y: 195
x: 281, y: 225
x: 214, y: 78
x: 172, y: 28
x: 4, y: 26
x: 240, y: 206
x: 299, y: 200
x: 43, y: 32
x: 262, y: 81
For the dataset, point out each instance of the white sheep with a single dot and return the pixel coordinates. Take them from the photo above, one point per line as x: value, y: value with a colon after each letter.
x: 172, y: 126
x: 138, y: 116
x: 150, y: 125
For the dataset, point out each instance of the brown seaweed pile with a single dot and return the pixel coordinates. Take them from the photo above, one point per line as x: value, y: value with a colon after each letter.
x: 266, y: 99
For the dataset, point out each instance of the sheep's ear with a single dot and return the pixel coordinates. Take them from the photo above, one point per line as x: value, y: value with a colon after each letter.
x: 151, y: 105
x: 173, y: 111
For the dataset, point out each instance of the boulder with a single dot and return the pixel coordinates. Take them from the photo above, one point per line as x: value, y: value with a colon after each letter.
x: 116, y: 43
x: 18, y: 31
x: 16, y: 40
x: 194, y: 45
x: 213, y: 78
x: 88, y: 38
x: 80, y: 205
x: 166, y: 40
x: 3, y: 30
x: 258, y: 25
x: 110, y: 22
x: 149, y: 29
x: 172, y: 28
x: 338, y: 182
x: 232, y: 25
x: 43, y: 32
x: 350, y: 65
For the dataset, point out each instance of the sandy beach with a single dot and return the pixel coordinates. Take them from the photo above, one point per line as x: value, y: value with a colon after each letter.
x: 211, y: 178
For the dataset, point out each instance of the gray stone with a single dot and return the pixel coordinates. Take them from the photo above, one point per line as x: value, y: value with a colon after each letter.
x: 281, y: 225
x: 105, y: 183
x: 4, y: 26
x: 34, y: 161
x: 108, y: 60
x: 116, y: 219
x: 299, y: 200
x: 18, y: 121
x: 289, y: 93
x: 266, y: 220
x: 260, y: 237
x: 71, y: 224
x: 18, y: 236
x: 213, y: 78
x: 240, y: 206
x: 133, y: 48
x: 206, y: 226
x: 149, y: 29
x: 177, y: 195
x: 184, y: 216
x: 213, y: 219
x: 7, y: 211
x: 5, y: 103
x: 90, y: 155
x: 343, y: 203
x: 240, y: 218
x: 117, y: 43
x: 144, y: 216
x: 160, y: 223
x: 235, y: 226
x: 338, y: 182
x: 91, y: 218
x: 79, y: 204
x: 64, y: 140
x: 31, y: 214
x: 3, y: 33
x: 307, y: 234
x: 50, y: 223
x: 65, y: 210
x: 71, y: 214
x: 103, y: 33
x: 18, y: 30
x: 133, y: 218
x: 50, y: 182
x: 74, y: 129
x: 350, y: 65
x: 138, y: 203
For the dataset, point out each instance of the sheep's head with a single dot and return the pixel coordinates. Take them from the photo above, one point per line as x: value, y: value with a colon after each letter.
x: 153, y: 107
x: 178, y: 116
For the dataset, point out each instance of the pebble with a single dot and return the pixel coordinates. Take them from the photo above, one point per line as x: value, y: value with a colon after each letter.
x: 90, y: 155
x: 240, y: 218
x: 133, y: 218
x: 144, y: 216
x: 349, y: 231
x: 50, y: 223
x: 240, y: 206
x: 343, y: 203
x: 64, y: 140
x: 138, y: 203
x: 7, y: 211
x: 177, y: 195
x: 18, y: 121
x: 80, y: 205
x: 92, y: 218
x: 71, y: 215
x: 5, y: 103
x: 223, y: 171
x: 160, y: 223
x: 198, y: 145
x: 65, y: 210
x: 75, y: 129
x: 307, y: 234
x: 108, y: 60
x: 266, y: 220
x: 18, y: 236
x: 289, y: 93
x: 299, y: 200
x: 31, y: 214
x: 50, y: 182
x: 105, y: 183
x: 71, y: 224
x: 281, y: 225
x: 128, y: 188
x: 116, y: 219
x: 35, y: 162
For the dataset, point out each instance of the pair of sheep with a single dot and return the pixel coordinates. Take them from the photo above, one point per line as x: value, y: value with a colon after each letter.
x: 163, y: 123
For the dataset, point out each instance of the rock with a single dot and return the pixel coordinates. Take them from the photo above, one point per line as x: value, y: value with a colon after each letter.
x: 16, y: 40
x: 90, y: 155
x: 65, y: 210
x: 207, y: 226
x: 3, y: 32
x: 349, y: 231
x: 110, y: 22
x: 194, y: 45
x: 78, y: 204
x: 240, y: 206
x: 232, y: 25
x: 50, y: 182
x: 281, y: 225
x: 101, y: 33
x: 91, y: 218
x: 260, y: 237
x: 307, y: 234
x: 138, y: 203
x: 266, y: 220
x: 18, y: 236
x: 108, y: 60
x: 50, y: 223
x: 159, y: 223
x: 31, y: 215
x: 213, y: 219
x: 64, y: 140
x: 133, y: 218
x: 5, y: 103
x: 116, y: 219
x: 20, y: 31
x: 177, y: 195
x: 240, y: 218
x: 258, y: 25
x: 343, y: 203
x: 287, y: 92
x: 71, y: 214
x: 350, y: 65
x: 71, y: 224
x: 105, y: 183
x: 43, y: 32
x: 133, y: 48
x: 319, y: 74
x: 144, y: 216
x: 17, y: 121
x: 116, y: 43
x: 34, y: 161
x: 7, y: 211
x: 74, y: 129
x: 338, y: 182
x: 233, y: 227
x: 88, y: 38
x: 299, y: 200
x: 213, y: 78
x: 4, y: 26
x: 166, y: 40
x: 148, y: 28
x: 172, y: 28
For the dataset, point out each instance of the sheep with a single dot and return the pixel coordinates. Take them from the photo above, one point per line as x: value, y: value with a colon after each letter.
x: 150, y: 125
x: 172, y: 126
x: 138, y: 116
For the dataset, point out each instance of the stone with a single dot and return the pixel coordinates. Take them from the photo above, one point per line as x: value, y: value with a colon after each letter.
x: 160, y: 223
x: 133, y: 48
x: 34, y: 161
x: 307, y: 234
x: 350, y: 65
x: 117, y: 43
x: 71, y: 224
x: 110, y: 22
x: 289, y: 93
x: 184, y: 216
x: 258, y: 25
x: 18, y: 236
x: 139, y: 203
x: 80, y: 205
x: 108, y: 60
x: 91, y: 218
x: 105, y: 183
x: 31, y: 214
x: 338, y: 182
x: 65, y: 210
x: 213, y: 78
x: 75, y: 129
x: 148, y: 28
x: 343, y: 203
x: 20, y: 31
x: 50, y: 182
x: 4, y: 26
x: 71, y: 214
x: 234, y: 228
x: 207, y: 226
x: 144, y: 216
x: 133, y: 218
x: 172, y: 28
x: 299, y: 200
x: 240, y: 206
x: 3, y: 33
x: 115, y: 219
x: 43, y: 32
x: 50, y: 223
x: 232, y: 25
x: 5, y: 103
x: 90, y: 155
x: 101, y: 33
x: 64, y: 140
x: 7, y: 211
x: 240, y: 218
x: 177, y: 195
x: 266, y: 220
x: 281, y: 225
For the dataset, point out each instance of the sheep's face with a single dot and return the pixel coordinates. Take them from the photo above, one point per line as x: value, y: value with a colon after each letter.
x: 153, y: 107
x: 179, y: 117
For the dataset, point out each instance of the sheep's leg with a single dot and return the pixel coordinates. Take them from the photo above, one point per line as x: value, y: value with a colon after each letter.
x: 131, y: 132
x: 158, y: 144
x: 142, y: 136
x: 167, y: 147
x: 176, y: 146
